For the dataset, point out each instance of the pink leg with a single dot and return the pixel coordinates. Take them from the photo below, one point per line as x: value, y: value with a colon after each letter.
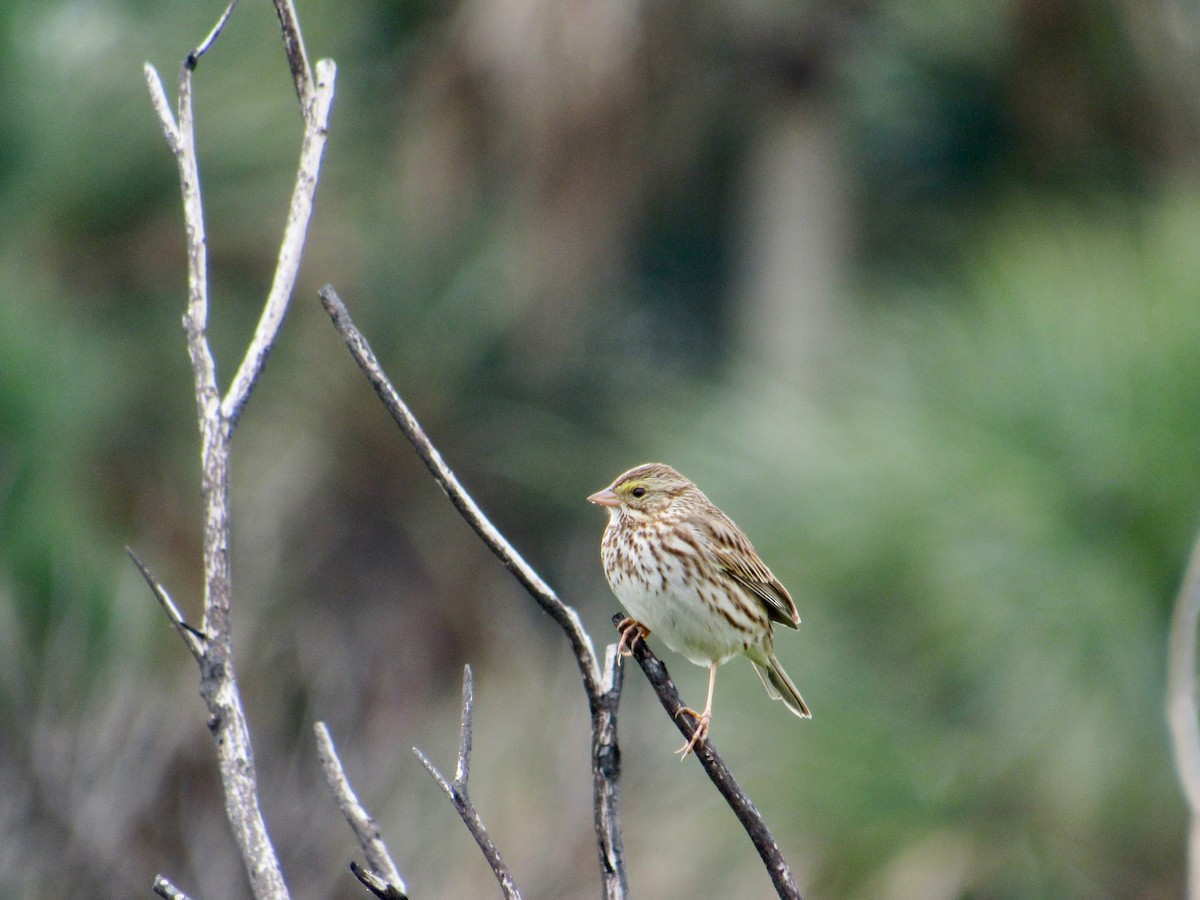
x: 702, y: 719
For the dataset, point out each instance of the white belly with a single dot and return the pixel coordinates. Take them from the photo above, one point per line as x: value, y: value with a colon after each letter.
x: 680, y: 611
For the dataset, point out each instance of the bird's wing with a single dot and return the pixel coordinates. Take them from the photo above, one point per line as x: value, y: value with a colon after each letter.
x: 736, y: 557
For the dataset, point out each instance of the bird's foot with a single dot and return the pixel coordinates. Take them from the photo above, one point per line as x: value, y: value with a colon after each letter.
x: 632, y: 631
x: 699, y: 735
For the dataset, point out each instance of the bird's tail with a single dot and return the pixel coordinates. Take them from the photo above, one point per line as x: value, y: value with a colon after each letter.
x: 780, y: 687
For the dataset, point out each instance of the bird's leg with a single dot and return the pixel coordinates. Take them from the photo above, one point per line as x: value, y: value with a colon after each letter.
x: 702, y: 719
x: 632, y: 631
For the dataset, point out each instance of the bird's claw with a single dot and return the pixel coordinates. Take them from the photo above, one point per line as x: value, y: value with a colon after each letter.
x: 699, y: 734
x: 632, y: 631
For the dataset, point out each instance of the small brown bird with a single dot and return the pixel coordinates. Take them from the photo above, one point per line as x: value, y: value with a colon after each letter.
x: 684, y: 570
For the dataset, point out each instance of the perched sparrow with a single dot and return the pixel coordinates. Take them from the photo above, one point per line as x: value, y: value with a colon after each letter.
x: 684, y: 570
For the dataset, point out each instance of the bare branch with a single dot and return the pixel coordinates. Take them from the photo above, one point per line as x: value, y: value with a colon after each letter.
x: 603, y: 692
x: 361, y: 822
x: 1181, y: 707
x: 218, y: 684
x: 457, y: 792
x: 291, y: 248
x: 606, y: 778
x: 377, y: 885
x: 194, y: 56
x: 180, y: 135
x: 214, y: 648
x: 718, y: 772
x: 191, y: 637
x: 293, y: 46
x: 564, y: 615
x: 168, y: 891
x: 463, y: 770
x: 162, y: 107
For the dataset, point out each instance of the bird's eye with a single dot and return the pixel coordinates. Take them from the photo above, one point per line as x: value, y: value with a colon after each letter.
x: 638, y: 492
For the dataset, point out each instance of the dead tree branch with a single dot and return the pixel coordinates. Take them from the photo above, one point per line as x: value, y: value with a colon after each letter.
x: 714, y: 766
x: 457, y: 792
x: 212, y: 644
x: 603, y: 688
x: 361, y: 822
x: 192, y: 639
x: 1181, y: 707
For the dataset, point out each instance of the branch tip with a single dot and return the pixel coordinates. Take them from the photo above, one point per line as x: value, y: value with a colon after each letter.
x: 194, y: 639
x: 462, y: 773
x: 205, y: 45
x: 361, y: 822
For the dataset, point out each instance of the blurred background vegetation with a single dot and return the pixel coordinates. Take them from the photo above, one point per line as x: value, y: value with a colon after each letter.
x: 909, y: 288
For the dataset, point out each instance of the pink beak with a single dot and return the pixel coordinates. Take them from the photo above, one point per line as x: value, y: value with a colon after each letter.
x: 604, y: 498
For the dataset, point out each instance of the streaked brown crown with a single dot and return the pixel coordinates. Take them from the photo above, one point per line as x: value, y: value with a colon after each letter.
x: 652, y: 488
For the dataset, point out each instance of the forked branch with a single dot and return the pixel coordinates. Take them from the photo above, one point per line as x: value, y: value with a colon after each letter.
x: 212, y: 643
x: 457, y: 792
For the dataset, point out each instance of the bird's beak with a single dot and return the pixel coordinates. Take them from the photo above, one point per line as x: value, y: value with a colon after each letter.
x: 604, y: 498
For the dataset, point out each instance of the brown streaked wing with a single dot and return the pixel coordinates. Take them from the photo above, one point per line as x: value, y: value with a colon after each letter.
x: 734, y: 555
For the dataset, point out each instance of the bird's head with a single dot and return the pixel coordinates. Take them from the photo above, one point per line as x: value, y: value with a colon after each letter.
x: 647, y: 491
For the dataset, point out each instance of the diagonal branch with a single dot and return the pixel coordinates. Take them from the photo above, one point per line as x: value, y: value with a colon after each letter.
x: 291, y: 248
x: 457, y: 792
x: 192, y: 639
x: 745, y: 810
x: 1181, y: 707
x: 564, y: 615
x: 603, y: 688
x: 194, y: 57
x: 361, y: 822
x: 293, y: 46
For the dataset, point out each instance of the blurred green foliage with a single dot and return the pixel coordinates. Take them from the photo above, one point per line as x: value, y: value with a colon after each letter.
x: 982, y: 500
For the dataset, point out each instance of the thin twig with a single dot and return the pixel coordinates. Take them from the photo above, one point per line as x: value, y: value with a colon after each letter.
x: 291, y: 248
x: 168, y: 891
x: 603, y: 689
x: 192, y: 639
x: 361, y: 822
x: 564, y: 615
x: 606, y: 777
x: 1181, y: 707
x: 162, y: 108
x: 745, y: 810
x: 297, y: 57
x: 194, y: 56
x: 457, y: 792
